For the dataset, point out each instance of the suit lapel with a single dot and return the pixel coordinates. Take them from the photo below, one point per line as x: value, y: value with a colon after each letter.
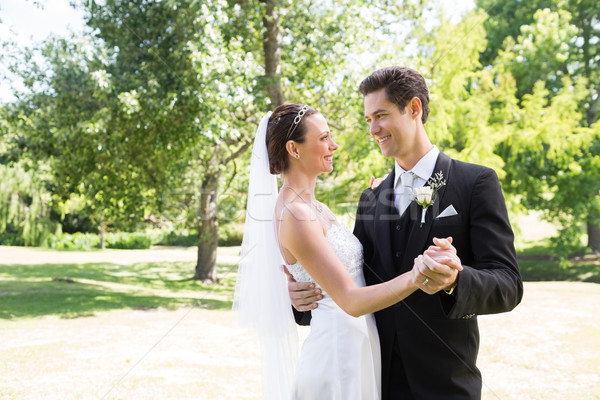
x: 417, y: 239
x: 385, y: 212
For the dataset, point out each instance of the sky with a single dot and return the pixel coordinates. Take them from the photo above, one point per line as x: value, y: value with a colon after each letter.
x: 26, y: 19
x: 26, y: 22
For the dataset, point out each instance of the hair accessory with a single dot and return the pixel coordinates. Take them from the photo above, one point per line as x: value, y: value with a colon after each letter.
x: 296, y: 122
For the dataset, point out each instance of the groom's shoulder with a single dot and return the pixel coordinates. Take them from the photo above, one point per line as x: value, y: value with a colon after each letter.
x: 368, y: 198
x: 466, y: 169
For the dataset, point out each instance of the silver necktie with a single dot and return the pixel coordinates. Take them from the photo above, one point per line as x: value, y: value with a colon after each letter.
x: 406, y: 191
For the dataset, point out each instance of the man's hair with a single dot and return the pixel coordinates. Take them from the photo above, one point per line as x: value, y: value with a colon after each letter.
x: 401, y: 84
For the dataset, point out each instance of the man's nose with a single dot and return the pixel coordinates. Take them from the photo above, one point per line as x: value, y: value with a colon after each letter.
x: 373, y: 128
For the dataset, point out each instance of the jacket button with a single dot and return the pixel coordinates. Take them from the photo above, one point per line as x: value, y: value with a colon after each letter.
x: 398, y: 254
x: 397, y: 227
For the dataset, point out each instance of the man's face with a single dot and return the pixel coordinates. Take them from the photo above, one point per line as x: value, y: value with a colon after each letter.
x: 395, y: 131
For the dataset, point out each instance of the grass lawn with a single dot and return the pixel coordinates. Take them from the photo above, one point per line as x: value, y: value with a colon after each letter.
x: 75, y: 290
x: 144, y: 329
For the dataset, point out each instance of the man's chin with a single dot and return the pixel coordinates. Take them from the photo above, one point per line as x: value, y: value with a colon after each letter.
x: 386, y: 153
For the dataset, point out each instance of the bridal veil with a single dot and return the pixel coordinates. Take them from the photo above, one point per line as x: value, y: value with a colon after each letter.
x: 261, y: 298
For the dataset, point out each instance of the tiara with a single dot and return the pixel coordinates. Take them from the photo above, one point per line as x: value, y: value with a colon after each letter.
x: 297, y: 120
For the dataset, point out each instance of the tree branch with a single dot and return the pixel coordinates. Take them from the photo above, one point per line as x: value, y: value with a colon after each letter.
x: 238, y: 152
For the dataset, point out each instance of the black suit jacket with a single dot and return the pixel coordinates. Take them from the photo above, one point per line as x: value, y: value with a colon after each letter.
x: 438, y: 334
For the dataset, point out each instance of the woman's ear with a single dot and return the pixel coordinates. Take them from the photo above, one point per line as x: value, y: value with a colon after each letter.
x: 292, y: 149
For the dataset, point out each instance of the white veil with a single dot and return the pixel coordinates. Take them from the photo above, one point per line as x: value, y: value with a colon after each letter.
x: 261, y: 298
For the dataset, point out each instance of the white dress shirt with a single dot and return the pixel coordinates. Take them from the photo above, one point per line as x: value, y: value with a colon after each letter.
x: 423, y: 170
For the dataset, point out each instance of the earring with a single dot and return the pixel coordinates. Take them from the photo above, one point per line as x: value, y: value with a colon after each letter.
x: 297, y: 155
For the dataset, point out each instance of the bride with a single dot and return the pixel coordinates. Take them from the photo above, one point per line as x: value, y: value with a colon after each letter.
x: 340, y: 358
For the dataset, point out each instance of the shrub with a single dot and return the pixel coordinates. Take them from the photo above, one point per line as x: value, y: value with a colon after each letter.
x: 231, y: 235
x: 179, y: 238
x: 88, y: 241
x: 75, y: 241
x: 127, y: 240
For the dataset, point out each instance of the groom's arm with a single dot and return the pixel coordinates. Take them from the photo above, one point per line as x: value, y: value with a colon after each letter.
x: 490, y: 281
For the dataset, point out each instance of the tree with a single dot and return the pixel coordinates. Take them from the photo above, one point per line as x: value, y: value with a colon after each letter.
x: 554, y: 43
x: 215, y: 67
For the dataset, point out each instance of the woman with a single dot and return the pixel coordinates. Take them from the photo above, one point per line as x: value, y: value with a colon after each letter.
x: 340, y: 358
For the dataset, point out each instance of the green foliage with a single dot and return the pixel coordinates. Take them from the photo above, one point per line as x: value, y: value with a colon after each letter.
x: 76, y: 241
x: 506, y: 19
x: 89, y: 241
x: 462, y: 93
x: 231, y: 235
x: 553, y: 161
x: 24, y: 216
x: 151, y: 115
x: 126, y: 240
x: 552, y: 152
x: 541, y: 51
x: 178, y: 238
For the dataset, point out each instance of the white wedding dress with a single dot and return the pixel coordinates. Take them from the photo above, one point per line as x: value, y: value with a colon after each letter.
x: 340, y: 358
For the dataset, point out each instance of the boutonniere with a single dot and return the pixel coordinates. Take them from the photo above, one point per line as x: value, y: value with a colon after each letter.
x: 425, y: 196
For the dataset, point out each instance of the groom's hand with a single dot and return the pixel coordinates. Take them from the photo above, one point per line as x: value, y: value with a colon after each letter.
x: 438, y: 266
x: 303, y: 295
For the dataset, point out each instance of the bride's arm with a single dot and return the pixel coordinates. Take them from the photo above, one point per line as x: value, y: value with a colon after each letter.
x: 302, y: 235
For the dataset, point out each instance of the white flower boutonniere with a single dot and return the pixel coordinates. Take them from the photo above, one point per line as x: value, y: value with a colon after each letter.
x: 425, y: 196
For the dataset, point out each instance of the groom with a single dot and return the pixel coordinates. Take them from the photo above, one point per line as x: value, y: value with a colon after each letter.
x: 429, y: 341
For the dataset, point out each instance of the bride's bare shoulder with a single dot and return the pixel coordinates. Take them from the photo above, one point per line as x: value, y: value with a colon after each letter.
x: 296, y: 211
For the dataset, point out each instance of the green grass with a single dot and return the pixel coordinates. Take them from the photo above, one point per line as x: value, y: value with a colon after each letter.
x: 535, y: 270
x: 537, y: 264
x: 77, y: 290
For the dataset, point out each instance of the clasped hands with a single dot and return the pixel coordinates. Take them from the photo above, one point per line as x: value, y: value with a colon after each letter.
x: 438, y: 267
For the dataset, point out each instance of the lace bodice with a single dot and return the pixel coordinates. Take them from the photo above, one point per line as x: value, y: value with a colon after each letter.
x: 345, y: 245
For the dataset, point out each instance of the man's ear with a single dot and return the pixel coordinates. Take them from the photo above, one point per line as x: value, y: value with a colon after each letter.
x: 416, y: 108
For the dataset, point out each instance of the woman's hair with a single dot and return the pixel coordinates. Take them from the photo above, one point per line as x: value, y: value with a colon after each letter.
x: 401, y: 84
x: 281, y: 129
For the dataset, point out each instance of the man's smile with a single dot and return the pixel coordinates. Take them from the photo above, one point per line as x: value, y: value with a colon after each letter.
x: 383, y: 139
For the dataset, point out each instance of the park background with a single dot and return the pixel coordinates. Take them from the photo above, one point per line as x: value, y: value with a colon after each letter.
x: 135, y: 133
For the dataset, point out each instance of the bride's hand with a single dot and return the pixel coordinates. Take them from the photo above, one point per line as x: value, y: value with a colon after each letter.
x: 374, y: 182
x: 303, y: 295
x: 438, y: 267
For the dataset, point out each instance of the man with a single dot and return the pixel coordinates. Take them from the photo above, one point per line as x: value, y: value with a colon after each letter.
x: 429, y: 341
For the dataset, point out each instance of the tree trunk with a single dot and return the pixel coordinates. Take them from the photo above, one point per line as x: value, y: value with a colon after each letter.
x: 594, y: 233
x: 272, y: 49
x: 103, y: 228
x: 208, y: 235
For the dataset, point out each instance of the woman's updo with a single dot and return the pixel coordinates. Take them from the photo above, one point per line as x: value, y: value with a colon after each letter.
x: 279, y: 126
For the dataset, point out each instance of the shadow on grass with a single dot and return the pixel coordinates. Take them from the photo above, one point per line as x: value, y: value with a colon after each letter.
x: 28, y: 291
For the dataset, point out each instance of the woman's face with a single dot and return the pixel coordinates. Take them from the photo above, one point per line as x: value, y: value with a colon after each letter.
x: 316, y: 153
